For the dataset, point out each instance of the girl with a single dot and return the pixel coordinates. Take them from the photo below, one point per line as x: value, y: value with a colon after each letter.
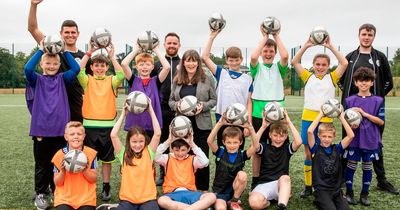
x: 191, y: 79
x: 138, y: 189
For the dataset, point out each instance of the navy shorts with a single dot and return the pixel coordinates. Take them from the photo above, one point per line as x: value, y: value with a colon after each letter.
x: 357, y: 154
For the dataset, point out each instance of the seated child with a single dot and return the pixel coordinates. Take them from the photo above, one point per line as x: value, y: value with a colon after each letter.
x: 75, y: 190
x: 179, y: 185
x: 138, y: 188
x: 326, y: 165
x: 274, y: 182
x: 230, y: 178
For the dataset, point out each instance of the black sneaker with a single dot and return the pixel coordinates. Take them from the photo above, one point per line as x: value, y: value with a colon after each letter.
x: 350, y: 198
x: 281, y: 206
x: 307, y: 192
x: 388, y: 187
x: 105, y: 194
x: 364, y: 199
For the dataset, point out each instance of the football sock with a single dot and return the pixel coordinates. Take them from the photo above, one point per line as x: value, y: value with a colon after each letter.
x: 367, y: 176
x: 349, y: 174
x: 308, y: 172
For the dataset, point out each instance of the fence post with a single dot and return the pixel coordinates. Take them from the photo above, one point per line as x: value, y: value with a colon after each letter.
x: 12, y: 69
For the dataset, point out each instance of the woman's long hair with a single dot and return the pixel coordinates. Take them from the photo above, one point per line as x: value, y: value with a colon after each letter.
x: 182, y: 77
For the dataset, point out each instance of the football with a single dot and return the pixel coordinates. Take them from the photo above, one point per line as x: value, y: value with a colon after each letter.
x: 331, y: 108
x: 236, y: 114
x: 101, y: 38
x: 147, y: 40
x: 352, y: 117
x: 274, y: 112
x: 181, y: 126
x: 318, y: 35
x: 53, y: 44
x: 137, y: 102
x: 271, y: 25
x: 216, y: 22
x: 75, y: 161
x: 188, y: 105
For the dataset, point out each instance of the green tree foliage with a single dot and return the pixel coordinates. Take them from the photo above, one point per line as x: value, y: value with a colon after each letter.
x: 395, y: 64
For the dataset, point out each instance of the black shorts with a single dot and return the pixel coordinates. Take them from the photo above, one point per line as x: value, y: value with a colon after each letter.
x: 99, y: 139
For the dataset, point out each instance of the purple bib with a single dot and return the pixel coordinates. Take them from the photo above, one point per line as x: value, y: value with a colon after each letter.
x: 50, y: 109
x: 144, y: 120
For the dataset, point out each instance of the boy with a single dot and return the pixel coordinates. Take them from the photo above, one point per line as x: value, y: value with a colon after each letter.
x: 319, y: 87
x: 274, y: 181
x: 233, y: 85
x: 179, y: 185
x: 99, y: 108
x: 367, y: 137
x: 75, y: 190
x: 326, y: 165
x: 144, y: 64
x: 268, y: 83
x: 230, y: 179
x: 50, y: 108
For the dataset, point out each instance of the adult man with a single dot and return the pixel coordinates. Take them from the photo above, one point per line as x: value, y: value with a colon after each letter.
x: 366, y: 56
x: 171, y: 45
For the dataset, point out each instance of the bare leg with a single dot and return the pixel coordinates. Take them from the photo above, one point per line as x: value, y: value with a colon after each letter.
x: 220, y: 204
x: 258, y: 201
x: 106, y: 171
x: 256, y: 162
x: 284, y: 188
x: 206, y: 200
x: 167, y: 203
x: 239, y: 184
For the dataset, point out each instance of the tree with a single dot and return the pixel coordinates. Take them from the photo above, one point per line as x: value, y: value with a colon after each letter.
x: 395, y: 64
x: 6, y: 64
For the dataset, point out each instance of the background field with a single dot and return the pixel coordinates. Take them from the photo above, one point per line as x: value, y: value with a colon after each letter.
x: 17, y: 164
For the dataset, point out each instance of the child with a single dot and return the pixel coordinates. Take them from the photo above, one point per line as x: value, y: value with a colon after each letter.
x: 75, y: 190
x: 274, y: 181
x: 230, y: 179
x: 138, y: 189
x: 367, y: 138
x: 233, y: 86
x: 99, y: 108
x: 50, y: 107
x: 179, y: 185
x: 319, y: 87
x: 268, y: 83
x: 326, y: 165
x: 144, y: 64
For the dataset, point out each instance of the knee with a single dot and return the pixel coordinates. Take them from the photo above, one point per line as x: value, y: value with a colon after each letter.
x: 220, y: 205
x: 256, y: 200
x: 209, y: 196
x: 241, y: 177
x: 284, y: 179
x: 163, y: 201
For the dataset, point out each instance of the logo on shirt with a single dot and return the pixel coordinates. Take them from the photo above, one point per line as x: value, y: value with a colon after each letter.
x: 378, y: 63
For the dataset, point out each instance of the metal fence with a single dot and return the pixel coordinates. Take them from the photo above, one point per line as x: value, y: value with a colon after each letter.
x: 292, y: 82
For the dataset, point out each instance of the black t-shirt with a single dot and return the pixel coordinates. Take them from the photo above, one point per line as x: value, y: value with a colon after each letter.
x: 327, y: 168
x: 165, y: 88
x: 274, y: 161
x: 365, y: 60
x: 74, y: 90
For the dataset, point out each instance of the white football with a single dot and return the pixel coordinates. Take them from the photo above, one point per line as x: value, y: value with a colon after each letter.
x: 318, y: 35
x: 236, y: 114
x: 53, y: 44
x: 137, y: 102
x: 75, y: 161
x: 331, y: 108
x: 216, y: 22
x: 188, y: 105
x: 353, y: 117
x: 271, y: 25
x: 274, y: 112
x: 147, y: 40
x: 101, y: 37
x: 181, y: 126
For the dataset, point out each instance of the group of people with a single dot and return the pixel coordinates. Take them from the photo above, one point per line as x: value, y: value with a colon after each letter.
x: 73, y: 107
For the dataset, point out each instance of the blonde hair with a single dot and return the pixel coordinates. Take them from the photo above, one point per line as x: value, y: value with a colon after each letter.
x: 47, y: 55
x: 74, y: 124
x: 326, y: 127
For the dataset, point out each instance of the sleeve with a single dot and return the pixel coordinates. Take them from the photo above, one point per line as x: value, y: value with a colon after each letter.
x: 94, y: 164
x: 218, y: 73
x: 340, y: 149
x: 70, y: 75
x: 251, y: 88
x: 334, y: 76
x: 212, y: 99
x: 314, y: 148
x: 152, y: 153
x: 217, y: 153
x: 160, y: 157
x: 381, y: 111
x: 261, y: 149
x: 200, y: 160
x: 254, y: 69
x: 29, y: 68
x: 130, y: 81
x: 305, y: 75
x: 120, y: 155
x: 290, y: 148
x: 387, y: 75
x: 283, y: 69
x: 83, y: 78
x: 244, y: 154
x: 340, y: 83
x: 117, y: 79
x: 172, y: 100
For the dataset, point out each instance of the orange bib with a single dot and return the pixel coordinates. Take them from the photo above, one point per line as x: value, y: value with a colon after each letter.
x: 180, y: 173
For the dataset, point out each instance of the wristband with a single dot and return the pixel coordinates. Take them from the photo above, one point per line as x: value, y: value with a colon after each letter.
x: 88, y: 54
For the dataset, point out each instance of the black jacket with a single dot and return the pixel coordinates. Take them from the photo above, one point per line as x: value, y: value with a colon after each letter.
x: 165, y: 89
x: 383, y: 76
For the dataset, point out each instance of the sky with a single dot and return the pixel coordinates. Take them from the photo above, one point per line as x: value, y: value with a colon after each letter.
x: 126, y: 19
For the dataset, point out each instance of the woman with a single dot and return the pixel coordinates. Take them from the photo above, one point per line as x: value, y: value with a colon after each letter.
x: 191, y: 79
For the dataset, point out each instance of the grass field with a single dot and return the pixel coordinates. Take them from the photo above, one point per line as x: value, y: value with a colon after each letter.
x: 17, y: 164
